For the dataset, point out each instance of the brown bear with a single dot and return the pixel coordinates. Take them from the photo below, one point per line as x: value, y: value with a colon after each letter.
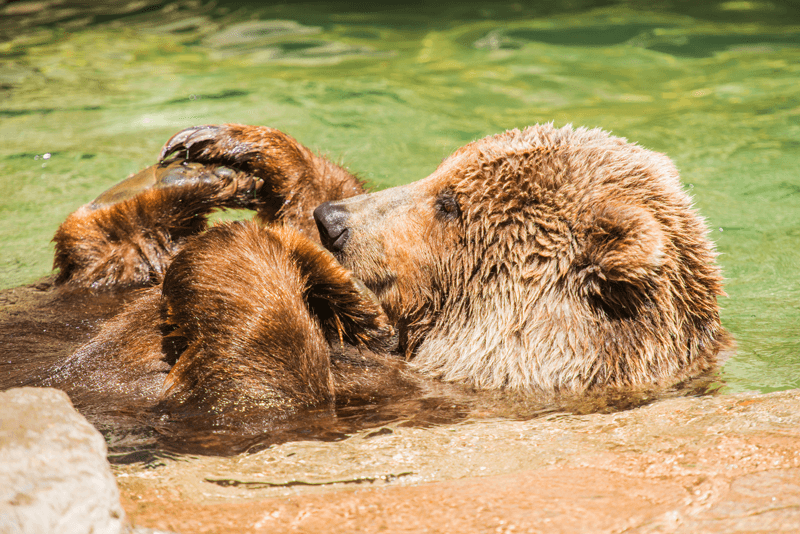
x: 543, y: 261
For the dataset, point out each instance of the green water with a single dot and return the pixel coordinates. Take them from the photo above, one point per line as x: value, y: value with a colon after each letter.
x: 89, y: 94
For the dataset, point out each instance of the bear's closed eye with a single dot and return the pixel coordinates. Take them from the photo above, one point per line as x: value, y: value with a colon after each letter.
x: 447, y: 205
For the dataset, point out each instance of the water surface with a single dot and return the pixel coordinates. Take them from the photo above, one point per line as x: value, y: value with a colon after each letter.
x: 89, y: 94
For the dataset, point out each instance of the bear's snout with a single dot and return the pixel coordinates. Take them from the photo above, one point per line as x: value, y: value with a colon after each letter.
x: 331, y: 222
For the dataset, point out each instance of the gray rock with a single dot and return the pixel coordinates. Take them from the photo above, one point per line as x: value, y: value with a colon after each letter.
x: 54, y: 476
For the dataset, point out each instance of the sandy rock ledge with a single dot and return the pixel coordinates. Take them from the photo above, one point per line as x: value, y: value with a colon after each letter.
x: 723, y: 464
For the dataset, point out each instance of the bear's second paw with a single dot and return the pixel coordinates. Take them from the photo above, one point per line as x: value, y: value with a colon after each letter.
x: 229, y: 188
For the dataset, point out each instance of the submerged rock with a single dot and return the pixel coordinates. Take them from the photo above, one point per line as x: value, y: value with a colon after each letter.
x: 729, y: 463
x: 54, y: 476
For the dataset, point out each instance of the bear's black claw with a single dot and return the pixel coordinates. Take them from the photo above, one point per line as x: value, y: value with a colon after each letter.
x: 188, y: 140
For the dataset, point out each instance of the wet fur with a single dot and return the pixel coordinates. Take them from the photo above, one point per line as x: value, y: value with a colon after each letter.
x: 574, y: 262
x: 545, y: 261
x: 247, y: 320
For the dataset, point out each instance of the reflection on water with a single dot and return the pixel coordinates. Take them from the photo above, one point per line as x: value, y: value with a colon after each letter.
x: 136, y: 438
x: 89, y: 92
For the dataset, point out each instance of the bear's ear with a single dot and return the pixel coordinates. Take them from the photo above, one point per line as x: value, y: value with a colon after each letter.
x: 623, y: 249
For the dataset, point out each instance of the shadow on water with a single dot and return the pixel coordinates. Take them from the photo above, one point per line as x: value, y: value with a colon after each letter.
x: 68, y: 15
x: 40, y: 326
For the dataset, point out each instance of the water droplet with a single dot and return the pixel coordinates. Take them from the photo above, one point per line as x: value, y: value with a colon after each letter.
x: 47, y: 155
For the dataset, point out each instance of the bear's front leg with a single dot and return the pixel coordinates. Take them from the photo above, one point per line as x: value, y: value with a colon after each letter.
x: 296, y: 180
x: 258, y: 313
x: 128, y: 235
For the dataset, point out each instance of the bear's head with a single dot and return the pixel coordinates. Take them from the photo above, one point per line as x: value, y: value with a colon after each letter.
x: 544, y: 260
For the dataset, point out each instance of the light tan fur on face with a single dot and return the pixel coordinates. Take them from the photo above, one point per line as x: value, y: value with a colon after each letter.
x: 576, y: 261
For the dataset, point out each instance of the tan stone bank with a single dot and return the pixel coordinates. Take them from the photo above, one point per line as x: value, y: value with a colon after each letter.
x: 712, y: 464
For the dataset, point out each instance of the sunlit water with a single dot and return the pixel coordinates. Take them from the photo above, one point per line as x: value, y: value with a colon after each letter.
x: 89, y: 94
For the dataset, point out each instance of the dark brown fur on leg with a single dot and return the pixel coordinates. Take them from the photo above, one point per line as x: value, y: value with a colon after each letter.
x: 128, y: 235
x: 239, y: 336
x: 255, y: 308
x: 123, y: 367
x: 296, y: 180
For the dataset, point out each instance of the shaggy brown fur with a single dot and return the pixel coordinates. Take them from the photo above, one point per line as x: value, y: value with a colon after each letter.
x: 255, y: 309
x: 247, y: 319
x: 543, y: 261
x: 548, y: 260
x: 297, y: 180
x: 128, y: 234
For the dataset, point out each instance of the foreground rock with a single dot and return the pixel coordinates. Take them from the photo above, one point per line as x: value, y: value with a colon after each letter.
x: 712, y: 464
x: 54, y: 476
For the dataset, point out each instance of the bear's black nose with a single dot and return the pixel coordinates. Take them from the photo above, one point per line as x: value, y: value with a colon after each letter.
x: 332, y: 225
